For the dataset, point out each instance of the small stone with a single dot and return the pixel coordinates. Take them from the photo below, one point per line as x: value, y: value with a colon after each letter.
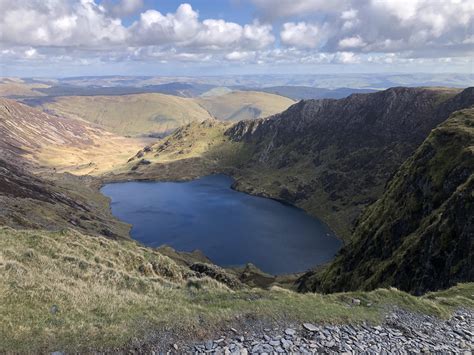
x: 208, y: 344
x: 310, y: 327
x: 356, y: 302
x: 54, y: 309
x: 290, y: 332
x: 175, y: 346
x: 286, y: 343
x: 274, y: 342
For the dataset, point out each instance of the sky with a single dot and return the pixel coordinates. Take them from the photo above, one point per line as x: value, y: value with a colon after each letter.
x: 58, y: 38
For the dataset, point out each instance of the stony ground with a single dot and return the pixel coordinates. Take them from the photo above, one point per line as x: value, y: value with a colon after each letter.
x: 401, y: 333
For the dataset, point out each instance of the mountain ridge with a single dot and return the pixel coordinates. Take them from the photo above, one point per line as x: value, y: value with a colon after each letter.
x: 422, y: 226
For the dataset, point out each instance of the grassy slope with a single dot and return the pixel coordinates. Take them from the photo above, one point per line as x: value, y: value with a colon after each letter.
x: 422, y: 225
x: 61, y: 143
x: 159, y: 113
x: 131, y: 114
x: 241, y: 105
x: 17, y: 87
x: 108, y: 293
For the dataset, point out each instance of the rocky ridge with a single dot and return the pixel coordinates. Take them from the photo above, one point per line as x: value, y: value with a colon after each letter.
x: 333, y: 157
x: 419, y: 235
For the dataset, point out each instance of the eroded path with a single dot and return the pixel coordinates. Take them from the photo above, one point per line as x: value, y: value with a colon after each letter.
x: 402, y: 332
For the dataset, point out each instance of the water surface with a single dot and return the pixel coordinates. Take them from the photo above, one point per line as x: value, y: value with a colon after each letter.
x: 229, y: 227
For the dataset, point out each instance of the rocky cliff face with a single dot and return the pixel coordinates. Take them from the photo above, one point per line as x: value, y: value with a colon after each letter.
x: 419, y: 235
x: 338, y: 154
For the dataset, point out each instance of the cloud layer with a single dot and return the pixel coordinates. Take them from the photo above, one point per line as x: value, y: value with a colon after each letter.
x: 284, y: 31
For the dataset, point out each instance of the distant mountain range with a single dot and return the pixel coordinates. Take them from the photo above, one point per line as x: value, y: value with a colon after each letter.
x: 306, y: 92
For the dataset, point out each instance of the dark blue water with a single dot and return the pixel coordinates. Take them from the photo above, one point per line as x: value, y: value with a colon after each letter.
x: 230, y: 227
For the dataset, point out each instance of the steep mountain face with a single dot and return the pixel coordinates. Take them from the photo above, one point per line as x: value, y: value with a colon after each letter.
x: 419, y: 235
x: 333, y: 157
x: 24, y: 129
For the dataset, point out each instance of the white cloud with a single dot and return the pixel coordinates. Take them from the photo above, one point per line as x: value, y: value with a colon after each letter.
x: 384, y: 25
x: 346, y: 58
x: 59, y: 23
x: 258, y: 36
x: 301, y: 35
x: 352, y: 42
x: 239, y: 56
x: 349, y: 14
x: 156, y: 28
x: 310, y: 32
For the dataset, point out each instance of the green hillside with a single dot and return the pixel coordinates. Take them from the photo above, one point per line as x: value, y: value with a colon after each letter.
x: 78, y: 293
x: 419, y: 235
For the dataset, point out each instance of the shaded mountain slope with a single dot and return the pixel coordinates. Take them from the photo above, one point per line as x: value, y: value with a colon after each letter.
x: 30, y: 135
x: 330, y: 157
x: 54, y: 202
x: 333, y: 157
x: 419, y: 235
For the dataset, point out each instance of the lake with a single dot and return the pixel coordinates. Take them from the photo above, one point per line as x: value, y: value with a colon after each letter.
x: 231, y: 228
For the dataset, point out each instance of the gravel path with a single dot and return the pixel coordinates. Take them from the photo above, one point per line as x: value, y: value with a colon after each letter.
x: 401, y: 333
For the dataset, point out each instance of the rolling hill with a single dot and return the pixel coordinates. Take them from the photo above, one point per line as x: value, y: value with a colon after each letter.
x: 158, y: 114
x: 308, y: 92
x: 130, y: 115
x: 12, y: 87
x: 244, y: 105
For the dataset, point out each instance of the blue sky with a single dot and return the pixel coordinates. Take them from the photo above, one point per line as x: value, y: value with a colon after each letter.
x: 214, y: 37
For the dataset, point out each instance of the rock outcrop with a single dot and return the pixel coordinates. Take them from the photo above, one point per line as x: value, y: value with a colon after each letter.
x: 333, y: 157
x: 419, y: 235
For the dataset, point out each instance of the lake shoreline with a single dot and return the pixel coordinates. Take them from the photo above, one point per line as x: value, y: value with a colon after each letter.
x: 276, y: 229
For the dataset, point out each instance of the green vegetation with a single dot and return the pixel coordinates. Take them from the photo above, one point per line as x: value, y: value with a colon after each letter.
x: 306, y: 158
x: 418, y: 235
x: 133, y: 115
x: 158, y: 114
x: 70, y: 291
x: 244, y: 105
